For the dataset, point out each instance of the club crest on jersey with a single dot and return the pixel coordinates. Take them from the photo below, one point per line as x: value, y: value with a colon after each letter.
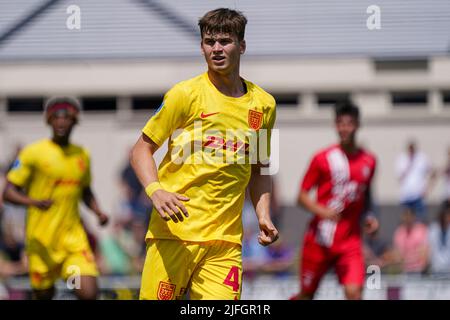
x: 166, y: 290
x: 255, y: 119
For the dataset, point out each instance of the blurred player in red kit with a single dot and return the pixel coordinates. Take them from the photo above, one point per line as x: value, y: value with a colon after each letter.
x: 342, y: 175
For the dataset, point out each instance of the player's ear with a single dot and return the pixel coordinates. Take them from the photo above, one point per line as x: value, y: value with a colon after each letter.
x: 201, y: 46
x: 242, y: 46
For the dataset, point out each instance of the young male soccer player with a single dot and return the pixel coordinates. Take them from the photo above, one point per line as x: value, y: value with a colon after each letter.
x: 50, y: 176
x: 342, y: 174
x: 195, y: 232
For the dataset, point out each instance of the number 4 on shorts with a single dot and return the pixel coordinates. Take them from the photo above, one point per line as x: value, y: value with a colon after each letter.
x: 232, y: 278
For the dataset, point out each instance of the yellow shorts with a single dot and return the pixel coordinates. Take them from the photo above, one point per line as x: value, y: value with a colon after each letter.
x: 207, y: 270
x: 46, y: 267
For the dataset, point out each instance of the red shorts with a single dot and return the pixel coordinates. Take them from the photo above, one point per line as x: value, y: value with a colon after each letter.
x: 348, y: 262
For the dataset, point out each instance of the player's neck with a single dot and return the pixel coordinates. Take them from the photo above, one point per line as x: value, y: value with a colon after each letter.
x: 230, y: 85
x: 61, y: 141
x: 350, y: 147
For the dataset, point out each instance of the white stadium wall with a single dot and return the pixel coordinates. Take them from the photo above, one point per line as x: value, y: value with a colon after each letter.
x: 303, y: 128
x: 109, y: 141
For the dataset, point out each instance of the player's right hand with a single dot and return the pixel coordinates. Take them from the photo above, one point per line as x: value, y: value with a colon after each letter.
x: 169, y: 205
x: 267, y: 232
x: 328, y: 213
x: 42, y: 204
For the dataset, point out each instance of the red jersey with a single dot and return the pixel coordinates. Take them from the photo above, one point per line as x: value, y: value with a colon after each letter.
x: 341, y: 180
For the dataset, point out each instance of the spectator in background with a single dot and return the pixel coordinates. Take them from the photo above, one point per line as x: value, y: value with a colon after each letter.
x: 276, y: 259
x: 416, y: 177
x: 9, y: 268
x: 439, y: 238
x: 136, y: 203
x: 12, y: 222
x: 447, y: 178
x: 122, y: 250
x: 276, y: 210
x: 253, y: 254
x: 411, y: 243
x: 377, y: 251
x: 2, y: 186
x: 280, y: 259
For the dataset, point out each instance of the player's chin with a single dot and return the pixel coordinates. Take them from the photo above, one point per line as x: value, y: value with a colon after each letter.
x: 60, y: 132
x: 345, y: 140
x: 220, y: 68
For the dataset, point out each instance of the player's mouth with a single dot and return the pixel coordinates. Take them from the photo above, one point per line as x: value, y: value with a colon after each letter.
x: 60, y: 131
x: 218, y: 58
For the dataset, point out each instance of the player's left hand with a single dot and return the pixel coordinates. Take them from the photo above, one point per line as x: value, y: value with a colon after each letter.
x: 267, y: 232
x: 371, y: 224
x: 103, y: 219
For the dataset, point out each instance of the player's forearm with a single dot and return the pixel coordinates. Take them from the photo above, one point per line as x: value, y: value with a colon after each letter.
x: 90, y: 201
x: 260, y: 189
x: 143, y: 163
x: 308, y: 204
x: 12, y: 195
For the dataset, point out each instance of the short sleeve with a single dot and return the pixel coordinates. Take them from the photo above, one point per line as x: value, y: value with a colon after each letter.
x: 312, y: 175
x: 265, y: 138
x: 270, y: 124
x: 170, y: 116
x: 22, y: 168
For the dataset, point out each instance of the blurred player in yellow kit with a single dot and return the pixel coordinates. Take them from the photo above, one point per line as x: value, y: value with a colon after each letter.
x: 195, y: 232
x: 51, y: 176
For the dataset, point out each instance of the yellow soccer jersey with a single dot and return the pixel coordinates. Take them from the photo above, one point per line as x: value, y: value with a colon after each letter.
x: 210, y: 150
x: 48, y: 171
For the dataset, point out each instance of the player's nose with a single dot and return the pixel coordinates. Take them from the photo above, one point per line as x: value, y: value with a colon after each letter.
x: 217, y: 47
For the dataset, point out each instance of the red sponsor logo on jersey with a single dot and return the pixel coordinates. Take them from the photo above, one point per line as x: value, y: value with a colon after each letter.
x: 220, y: 143
x: 166, y: 290
x: 67, y: 182
x: 255, y: 119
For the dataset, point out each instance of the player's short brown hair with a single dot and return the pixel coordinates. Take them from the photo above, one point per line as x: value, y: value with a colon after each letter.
x: 223, y: 20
